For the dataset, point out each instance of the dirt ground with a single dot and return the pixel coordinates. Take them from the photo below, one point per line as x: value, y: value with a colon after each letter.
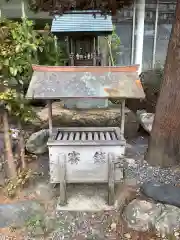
x: 102, y: 225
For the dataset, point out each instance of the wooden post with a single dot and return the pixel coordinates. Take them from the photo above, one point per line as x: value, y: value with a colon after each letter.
x: 94, y: 52
x: 62, y: 172
x: 50, y: 116
x: 72, y: 52
x: 122, y: 117
x: 111, y: 178
x: 68, y: 46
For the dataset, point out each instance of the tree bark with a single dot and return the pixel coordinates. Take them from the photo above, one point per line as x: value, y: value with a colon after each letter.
x: 8, y: 147
x: 164, y: 144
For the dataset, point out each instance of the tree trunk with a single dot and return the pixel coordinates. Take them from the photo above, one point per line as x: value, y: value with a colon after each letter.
x: 21, y: 145
x: 164, y: 145
x: 8, y: 147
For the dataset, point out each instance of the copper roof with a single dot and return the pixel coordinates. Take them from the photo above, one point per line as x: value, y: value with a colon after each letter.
x: 54, y: 82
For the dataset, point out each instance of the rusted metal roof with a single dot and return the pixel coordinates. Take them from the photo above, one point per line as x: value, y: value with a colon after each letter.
x: 85, y: 82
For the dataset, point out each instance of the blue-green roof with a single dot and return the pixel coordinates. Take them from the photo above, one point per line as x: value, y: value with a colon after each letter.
x: 81, y: 22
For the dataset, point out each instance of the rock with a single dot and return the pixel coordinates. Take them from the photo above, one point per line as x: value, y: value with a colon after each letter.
x: 146, y: 120
x: 169, y: 221
x: 151, y: 82
x: 127, y: 235
x: 17, y: 214
x: 45, y: 191
x: 89, y: 118
x: 51, y: 223
x: 113, y: 226
x: 35, y: 231
x: 85, y: 103
x: 130, y: 162
x: 164, y: 193
x: 37, y: 143
x: 125, y: 193
x: 141, y: 215
x: 14, y: 133
x: 96, y: 234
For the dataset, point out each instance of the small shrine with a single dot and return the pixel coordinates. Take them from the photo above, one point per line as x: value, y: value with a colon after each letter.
x: 84, y: 31
x: 85, y: 154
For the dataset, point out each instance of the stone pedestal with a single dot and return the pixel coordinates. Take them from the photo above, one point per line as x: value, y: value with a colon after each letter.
x: 85, y: 103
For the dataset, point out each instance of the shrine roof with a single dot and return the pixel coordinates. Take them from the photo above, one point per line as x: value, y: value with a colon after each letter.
x: 81, y: 22
x: 85, y: 82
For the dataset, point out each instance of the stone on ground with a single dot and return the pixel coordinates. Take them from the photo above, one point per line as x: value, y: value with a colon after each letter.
x: 45, y: 191
x: 164, y: 193
x: 17, y: 214
x: 89, y: 118
x: 141, y: 215
x: 37, y: 143
x: 151, y: 82
x: 125, y: 193
x: 169, y: 221
x: 146, y: 120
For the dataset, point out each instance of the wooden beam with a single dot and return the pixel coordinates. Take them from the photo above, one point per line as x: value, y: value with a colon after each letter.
x: 122, y: 117
x: 50, y: 116
x: 62, y: 168
x: 111, y: 178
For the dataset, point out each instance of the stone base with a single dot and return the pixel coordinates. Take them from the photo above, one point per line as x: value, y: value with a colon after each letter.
x: 109, y: 117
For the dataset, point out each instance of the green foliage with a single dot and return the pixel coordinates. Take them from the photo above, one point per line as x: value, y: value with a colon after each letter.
x: 54, y: 52
x: 114, y: 49
x: 19, y: 45
x: 115, y: 44
x: 18, y: 183
x: 17, y: 105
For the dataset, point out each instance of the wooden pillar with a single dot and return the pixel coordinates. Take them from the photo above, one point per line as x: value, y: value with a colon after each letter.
x: 122, y: 117
x: 98, y: 52
x: 94, y: 51
x: 68, y: 47
x: 49, y: 103
x: 72, y: 52
x: 62, y: 174
x: 111, y: 178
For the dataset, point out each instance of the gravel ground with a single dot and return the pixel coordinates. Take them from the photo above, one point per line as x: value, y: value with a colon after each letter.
x: 139, y: 169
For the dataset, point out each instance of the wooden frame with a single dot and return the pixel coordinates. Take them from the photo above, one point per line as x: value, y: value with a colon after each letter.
x: 112, y: 171
x: 52, y: 140
x: 62, y: 172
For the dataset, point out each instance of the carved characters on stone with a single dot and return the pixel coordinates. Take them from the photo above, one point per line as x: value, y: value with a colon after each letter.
x: 99, y: 157
x: 73, y: 157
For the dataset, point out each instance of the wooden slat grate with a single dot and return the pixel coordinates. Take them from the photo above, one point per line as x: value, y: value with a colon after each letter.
x: 87, y: 135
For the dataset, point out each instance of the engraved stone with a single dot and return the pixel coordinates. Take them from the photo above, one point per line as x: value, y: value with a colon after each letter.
x: 74, y: 157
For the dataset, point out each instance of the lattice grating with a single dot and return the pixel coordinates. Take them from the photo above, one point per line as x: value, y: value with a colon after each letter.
x: 87, y: 136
